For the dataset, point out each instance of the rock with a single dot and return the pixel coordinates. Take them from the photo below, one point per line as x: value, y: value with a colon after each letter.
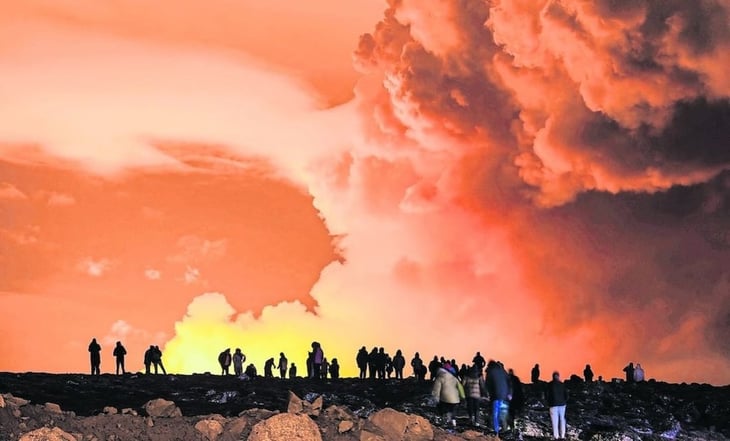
x: 47, y: 434
x: 53, y: 408
x: 370, y: 436
x: 400, y: 426
x: 345, y: 426
x: 110, y: 410
x: 162, y: 408
x: 286, y: 427
x: 297, y: 405
x: 2, y: 402
x: 149, y: 422
x: 209, y: 428
x: 235, y: 427
x: 128, y: 411
x: 15, y: 401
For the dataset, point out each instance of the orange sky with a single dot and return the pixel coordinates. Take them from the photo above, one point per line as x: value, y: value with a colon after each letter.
x: 413, y: 175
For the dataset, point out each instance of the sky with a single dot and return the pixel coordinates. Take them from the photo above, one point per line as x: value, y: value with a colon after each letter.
x: 541, y: 181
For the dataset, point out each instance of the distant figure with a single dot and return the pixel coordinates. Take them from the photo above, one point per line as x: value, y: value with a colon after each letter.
x: 446, y: 390
x: 362, y: 362
x: 238, y: 359
x: 310, y: 364
x: 251, y: 371
x: 629, y: 369
x: 95, y: 357
x: 638, y: 373
x: 588, y: 374
x: 317, y: 358
x: 479, y: 362
x: 498, y: 388
x: 119, y: 353
x: 269, y: 368
x: 373, y: 363
x: 224, y: 359
x: 417, y: 364
x: 380, y: 363
x: 283, y: 362
x: 399, y: 362
x: 535, y: 374
x: 334, y: 369
x: 157, y: 359
x: 474, y: 390
x: 557, y: 399
x: 293, y: 371
x: 324, y: 368
x: 516, y: 401
x: 434, y: 366
x: 148, y: 359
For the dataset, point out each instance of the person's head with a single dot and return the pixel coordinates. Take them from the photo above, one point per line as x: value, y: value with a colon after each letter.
x: 398, y: 352
x: 334, y: 361
x: 479, y: 354
x: 119, y: 343
x: 588, y: 366
x: 556, y: 376
x: 511, y: 372
x: 281, y: 354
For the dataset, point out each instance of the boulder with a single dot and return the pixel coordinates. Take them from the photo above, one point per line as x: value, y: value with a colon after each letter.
x: 400, y: 426
x: 53, y: 408
x: 109, y: 410
x: 15, y: 401
x: 235, y: 427
x: 209, y: 428
x: 2, y: 402
x: 297, y: 405
x: 345, y: 426
x: 162, y: 408
x: 370, y: 436
x: 286, y: 427
x: 47, y: 434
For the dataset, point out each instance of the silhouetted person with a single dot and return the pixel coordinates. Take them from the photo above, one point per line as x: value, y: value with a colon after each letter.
x: 251, y: 371
x: 148, y: 359
x: 238, y: 359
x: 557, y: 399
x: 474, y: 391
x: 588, y: 374
x: 373, y: 363
x: 269, y: 368
x: 381, y: 362
x: 95, y: 357
x: 283, y: 362
x: 293, y: 371
x: 499, y: 390
x: 334, y: 369
x: 119, y: 353
x: 325, y: 368
x: 399, y: 362
x: 417, y: 364
x: 517, y: 400
x: 317, y: 358
x: 629, y: 369
x: 224, y: 359
x: 479, y: 362
x: 310, y: 364
x: 362, y: 362
x: 638, y: 373
x: 535, y: 374
x: 157, y: 359
x: 434, y: 366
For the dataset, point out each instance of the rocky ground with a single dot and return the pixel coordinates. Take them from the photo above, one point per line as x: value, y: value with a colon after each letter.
x: 77, y: 407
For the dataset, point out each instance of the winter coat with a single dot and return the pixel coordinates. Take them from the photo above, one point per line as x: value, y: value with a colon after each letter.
x: 445, y: 387
x: 474, y: 387
x: 557, y: 395
x: 498, y: 383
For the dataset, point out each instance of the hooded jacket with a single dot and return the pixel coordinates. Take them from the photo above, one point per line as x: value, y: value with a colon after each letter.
x: 445, y: 387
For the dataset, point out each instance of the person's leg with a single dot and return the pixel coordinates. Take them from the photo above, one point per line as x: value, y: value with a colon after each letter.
x: 495, y: 415
x: 554, y: 420
x: 561, y: 417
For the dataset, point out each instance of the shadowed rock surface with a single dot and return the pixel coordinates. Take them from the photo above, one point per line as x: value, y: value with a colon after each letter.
x: 148, y: 407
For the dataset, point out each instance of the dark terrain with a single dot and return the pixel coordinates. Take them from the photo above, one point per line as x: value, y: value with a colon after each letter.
x: 649, y: 410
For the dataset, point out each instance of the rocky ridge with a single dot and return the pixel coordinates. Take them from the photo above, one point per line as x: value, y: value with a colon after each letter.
x: 215, y: 408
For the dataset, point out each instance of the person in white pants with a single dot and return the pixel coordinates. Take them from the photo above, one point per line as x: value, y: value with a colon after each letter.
x: 557, y: 399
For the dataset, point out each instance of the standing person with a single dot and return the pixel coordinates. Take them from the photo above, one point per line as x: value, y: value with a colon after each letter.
x: 535, y: 374
x: 95, y: 357
x: 557, y: 399
x: 417, y: 364
x: 588, y: 374
x: 148, y: 359
x: 283, y: 362
x: 479, y: 362
x: 516, y: 401
x: 325, y: 368
x: 334, y: 369
x: 638, y: 373
x: 157, y: 359
x: 119, y: 353
x: 629, y: 369
x: 317, y: 359
x: 446, y: 391
x: 373, y: 363
x: 293, y: 371
x: 362, y: 362
x: 498, y: 388
x: 224, y: 359
x: 399, y: 362
x: 269, y: 368
x: 474, y: 391
x: 433, y: 367
x: 238, y: 359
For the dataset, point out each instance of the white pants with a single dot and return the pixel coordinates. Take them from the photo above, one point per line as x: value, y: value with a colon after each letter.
x: 557, y: 416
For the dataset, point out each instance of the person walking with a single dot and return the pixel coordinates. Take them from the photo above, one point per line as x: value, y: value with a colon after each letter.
x: 446, y: 391
x: 557, y: 400
x: 119, y: 353
x: 498, y: 387
x: 474, y: 389
x: 157, y: 359
x: 95, y: 357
